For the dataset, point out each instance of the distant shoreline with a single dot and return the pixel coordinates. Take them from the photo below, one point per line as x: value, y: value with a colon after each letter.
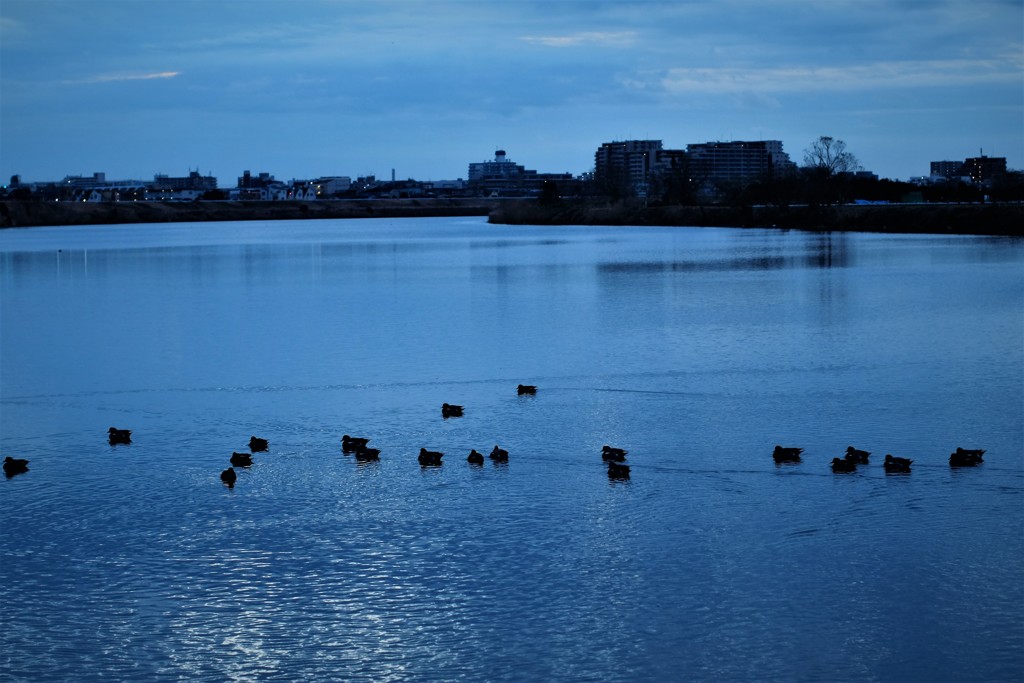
x: 36, y: 214
x: 953, y: 219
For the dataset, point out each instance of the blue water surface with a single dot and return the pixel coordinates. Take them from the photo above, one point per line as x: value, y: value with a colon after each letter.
x: 697, y: 349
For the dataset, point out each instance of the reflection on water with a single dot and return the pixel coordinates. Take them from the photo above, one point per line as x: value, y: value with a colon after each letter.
x: 697, y: 350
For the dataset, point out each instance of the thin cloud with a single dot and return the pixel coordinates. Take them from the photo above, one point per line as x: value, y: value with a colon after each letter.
x: 115, y: 78
x: 613, y: 39
x: 908, y: 74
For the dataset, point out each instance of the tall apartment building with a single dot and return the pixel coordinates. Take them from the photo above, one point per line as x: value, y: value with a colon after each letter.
x: 984, y: 169
x: 630, y: 163
x: 947, y: 169
x: 741, y: 161
x: 980, y: 169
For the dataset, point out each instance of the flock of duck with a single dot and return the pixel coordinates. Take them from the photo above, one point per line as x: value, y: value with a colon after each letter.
x: 613, y: 457
x: 961, y: 457
x: 359, y: 448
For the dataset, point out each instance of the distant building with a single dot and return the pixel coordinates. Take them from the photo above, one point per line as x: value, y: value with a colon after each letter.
x: 980, y: 170
x: 331, y: 186
x: 98, y: 188
x: 947, y: 169
x: 984, y: 169
x: 193, y: 181
x: 627, y: 165
x: 739, y: 161
x: 503, y: 177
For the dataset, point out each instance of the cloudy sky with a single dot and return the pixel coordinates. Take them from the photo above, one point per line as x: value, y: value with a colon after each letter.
x: 308, y: 88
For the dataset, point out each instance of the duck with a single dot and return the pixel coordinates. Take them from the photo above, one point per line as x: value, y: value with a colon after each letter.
x: 858, y: 456
x: 257, y: 444
x: 843, y: 465
x: 475, y: 458
x: 962, y: 458
x: 228, y: 476
x: 13, y: 466
x: 499, y: 454
x: 613, y: 454
x: 617, y: 470
x: 781, y: 454
x: 119, y: 435
x: 972, y: 453
x: 526, y: 389
x: 430, y: 458
x: 241, y: 460
x: 351, y: 444
x: 448, y: 410
x: 364, y: 454
x: 894, y: 464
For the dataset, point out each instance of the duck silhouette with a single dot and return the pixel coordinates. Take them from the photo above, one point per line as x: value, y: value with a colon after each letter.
x: 781, y: 454
x: 842, y: 465
x: 13, y: 466
x: 526, y: 389
x: 228, y: 476
x: 857, y: 456
x: 257, y: 445
x: 618, y: 470
x: 350, y: 444
x: 499, y: 454
x: 430, y: 458
x: 971, y: 453
x: 475, y: 458
x: 116, y: 436
x: 613, y: 454
x: 241, y: 459
x: 962, y: 458
x: 448, y: 410
x: 364, y: 454
x: 894, y: 464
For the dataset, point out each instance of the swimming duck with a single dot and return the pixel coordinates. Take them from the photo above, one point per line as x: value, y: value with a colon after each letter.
x: 350, y: 444
x: 448, y: 410
x: 617, y: 470
x: 858, y: 456
x: 843, y: 465
x: 526, y: 389
x: 364, y: 454
x: 256, y: 444
x: 499, y: 454
x: 781, y: 454
x: 971, y: 453
x: 894, y: 464
x: 241, y: 460
x: 430, y: 458
x: 475, y: 458
x: 962, y: 458
x: 228, y: 476
x: 613, y: 454
x: 13, y: 466
x: 119, y: 435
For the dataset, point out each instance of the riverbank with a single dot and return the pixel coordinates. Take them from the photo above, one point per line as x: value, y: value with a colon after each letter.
x: 962, y: 219
x: 28, y: 214
x: 959, y: 219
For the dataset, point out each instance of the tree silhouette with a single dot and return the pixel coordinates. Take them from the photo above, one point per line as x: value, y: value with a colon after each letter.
x: 829, y: 157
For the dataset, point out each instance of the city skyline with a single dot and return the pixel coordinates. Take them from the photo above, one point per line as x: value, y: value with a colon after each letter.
x: 311, y: 89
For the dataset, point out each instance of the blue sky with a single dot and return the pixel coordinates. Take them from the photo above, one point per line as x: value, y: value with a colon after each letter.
x: 302, y: 89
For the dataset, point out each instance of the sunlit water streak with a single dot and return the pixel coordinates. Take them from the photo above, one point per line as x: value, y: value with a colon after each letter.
x: 697, y: 349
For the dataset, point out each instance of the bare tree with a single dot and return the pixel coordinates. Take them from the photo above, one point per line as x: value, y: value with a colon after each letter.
x: 829, y: 156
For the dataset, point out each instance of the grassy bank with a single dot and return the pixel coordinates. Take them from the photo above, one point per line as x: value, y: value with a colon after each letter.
x: 24, y: 214
x: 966, y: 219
